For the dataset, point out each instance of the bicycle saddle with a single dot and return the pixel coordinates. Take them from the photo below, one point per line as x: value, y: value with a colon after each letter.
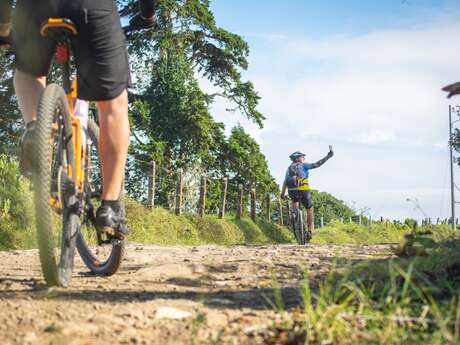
x: 58, y: 29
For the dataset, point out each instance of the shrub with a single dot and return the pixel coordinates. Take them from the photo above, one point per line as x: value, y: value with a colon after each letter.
x: 16, y: 216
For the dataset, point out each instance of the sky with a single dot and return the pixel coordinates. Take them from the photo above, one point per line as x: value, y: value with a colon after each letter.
x: 364, y: 77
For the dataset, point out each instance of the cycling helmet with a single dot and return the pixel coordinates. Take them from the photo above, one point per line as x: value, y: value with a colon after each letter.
x: 296, y: 155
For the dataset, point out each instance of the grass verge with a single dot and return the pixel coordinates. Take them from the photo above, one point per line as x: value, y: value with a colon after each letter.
x: 400, y: 300
x: 377, y: 233
x: 160, y: 226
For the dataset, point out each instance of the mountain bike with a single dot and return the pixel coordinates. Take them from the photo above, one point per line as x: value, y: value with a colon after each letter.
x: 66, y: 177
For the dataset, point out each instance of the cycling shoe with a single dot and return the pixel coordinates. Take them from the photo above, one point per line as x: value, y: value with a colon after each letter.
x: 109, y: 221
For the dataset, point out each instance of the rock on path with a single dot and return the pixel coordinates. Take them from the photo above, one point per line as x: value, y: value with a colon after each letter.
x: 204, y: 294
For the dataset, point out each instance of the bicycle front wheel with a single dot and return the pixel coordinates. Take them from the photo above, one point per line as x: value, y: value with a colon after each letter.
x: 101, y: 254
x: 56, y: 221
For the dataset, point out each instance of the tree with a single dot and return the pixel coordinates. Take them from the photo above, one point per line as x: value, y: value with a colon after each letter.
x: 10, y: 117
x: 329, y: 207
x: 243, y: 162
x: 218, y: 55
x: 172, y: 124
x: 169, y: 111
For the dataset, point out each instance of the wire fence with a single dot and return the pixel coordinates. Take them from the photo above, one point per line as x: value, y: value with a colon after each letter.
x: 188, y: 192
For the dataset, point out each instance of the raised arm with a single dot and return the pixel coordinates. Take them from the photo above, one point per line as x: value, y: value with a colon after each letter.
x: 321, y: 161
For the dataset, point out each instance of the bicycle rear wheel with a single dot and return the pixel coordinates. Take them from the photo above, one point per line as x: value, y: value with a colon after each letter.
x: 299, y: 226
x: 56, y: 220
x: 101, y: 254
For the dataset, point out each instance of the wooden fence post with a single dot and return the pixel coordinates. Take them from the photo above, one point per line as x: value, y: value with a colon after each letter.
x: 268, y: 206
x: 151, y: 191
x: 253, y: 204
x: 322, y: 221
x: 223, y: 198
x: 239, y: 210
x: 288, y: 209
x: 179, y: 190
x: 203, y: 189
x: 280, y: 213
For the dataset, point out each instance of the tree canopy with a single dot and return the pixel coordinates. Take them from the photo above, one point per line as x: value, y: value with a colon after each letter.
x: 169, y: 109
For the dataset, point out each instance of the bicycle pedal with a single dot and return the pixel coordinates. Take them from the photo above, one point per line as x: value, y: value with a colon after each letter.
x: 111, y: 233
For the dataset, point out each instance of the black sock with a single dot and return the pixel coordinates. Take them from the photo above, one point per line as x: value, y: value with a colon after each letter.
x: 113, y: 204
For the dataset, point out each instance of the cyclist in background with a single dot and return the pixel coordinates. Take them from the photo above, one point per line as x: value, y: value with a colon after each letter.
x: 103, y: 76
x: 296, y: 181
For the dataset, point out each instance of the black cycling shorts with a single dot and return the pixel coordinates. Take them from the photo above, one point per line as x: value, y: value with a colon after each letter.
x: 100, y: 48
x: 302, y: 196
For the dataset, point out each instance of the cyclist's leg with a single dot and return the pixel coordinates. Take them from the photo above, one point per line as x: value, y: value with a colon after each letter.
x: 28, y: 89
x: 295, y: 205
x: 103, y: 76
x: 308, y: 203
x: 33, y: 55
x: 113, y: 145
x: 310, y: 218
x: 294, y: 196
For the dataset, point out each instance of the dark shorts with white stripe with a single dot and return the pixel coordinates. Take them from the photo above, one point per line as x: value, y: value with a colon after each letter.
x: 302, y: 196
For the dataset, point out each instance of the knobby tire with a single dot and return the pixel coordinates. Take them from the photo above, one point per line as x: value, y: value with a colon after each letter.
x: 53, y: 107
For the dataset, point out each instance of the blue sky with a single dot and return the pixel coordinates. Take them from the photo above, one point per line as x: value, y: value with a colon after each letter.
x: 363, y: 76
x: 307, y: 17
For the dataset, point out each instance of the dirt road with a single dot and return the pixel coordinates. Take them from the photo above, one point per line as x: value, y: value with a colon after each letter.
x: 162, y: 295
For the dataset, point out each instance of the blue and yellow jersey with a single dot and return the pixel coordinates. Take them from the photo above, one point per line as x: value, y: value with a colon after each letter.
x: 303, y: 181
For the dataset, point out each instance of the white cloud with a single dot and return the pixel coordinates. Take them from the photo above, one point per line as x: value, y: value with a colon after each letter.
x: 376, y: 97
x: 383, y: 82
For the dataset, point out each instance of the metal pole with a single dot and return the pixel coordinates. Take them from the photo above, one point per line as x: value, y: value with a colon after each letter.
x: 452, y: 195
